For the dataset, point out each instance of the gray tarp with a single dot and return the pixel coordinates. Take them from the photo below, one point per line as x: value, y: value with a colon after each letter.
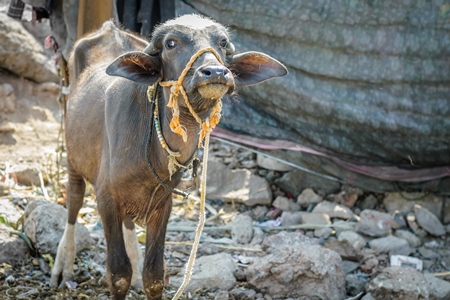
x: 369, y: 81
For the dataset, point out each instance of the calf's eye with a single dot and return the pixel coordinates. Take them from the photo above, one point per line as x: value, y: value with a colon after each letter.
x: 223, y: 43
x: 171, y: 44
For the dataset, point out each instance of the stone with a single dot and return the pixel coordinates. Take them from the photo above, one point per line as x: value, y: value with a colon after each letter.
x: 10, y: 212
x: 391, y: 245
x: 344, y: 249
x: 369, y: 202
x: 221, y: 295
x: 236, y: 185
x: 410, y: 237
x: 295, y: 182
x: 368, y: 296
x: 21, y: 54
x: 341, y: 226
x: 428, y: 254
x: 258, y: 236
x: 27, y: 175
x: 323, y: 232
x: 355, y: 284
x: 439, y: 289
x: 270, y: 163
x: 348, y: 196
x: 211, y: 271
x: 298, y: 268
x: 308, y: 197
x: 404, y: 202
x: 13, y: 248
x: 399, y: 283
x: 333, y: 210
x: 428, y: 221
x: 259, y: 212
x: 289, y: 218
x: 285, y: 204
x: 7, y: 98
x: 315, y: 219
x: 398, y: 221
x: 243, y: 293
x: 44, y: 224
x: 374, y: 223
x: 411, y: 220
x: 242, y: 229
x: 349, y: 266
x: 353, y: 238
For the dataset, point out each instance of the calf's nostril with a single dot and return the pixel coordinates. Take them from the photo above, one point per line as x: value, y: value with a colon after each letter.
x: 206, y: 72
x: 214, y: 71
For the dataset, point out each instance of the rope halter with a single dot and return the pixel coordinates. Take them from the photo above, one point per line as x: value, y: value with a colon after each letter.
x: 177, y: 87
x: 206, y: 126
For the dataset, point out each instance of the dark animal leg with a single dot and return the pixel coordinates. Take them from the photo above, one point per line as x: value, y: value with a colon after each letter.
x: 119, y: 270
x: 153, y: 273
x: 67, y: 248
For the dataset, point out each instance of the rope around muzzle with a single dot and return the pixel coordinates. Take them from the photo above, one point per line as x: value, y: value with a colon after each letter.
x: 177, y: 87
x: 206, y: 128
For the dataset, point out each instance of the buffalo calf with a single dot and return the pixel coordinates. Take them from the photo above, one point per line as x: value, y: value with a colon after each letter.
x: 108, y: 124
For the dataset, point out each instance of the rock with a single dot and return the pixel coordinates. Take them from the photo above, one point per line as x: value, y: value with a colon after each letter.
x: 212, y: 272
x: 221, y: 295
x: 21, y: 54
x: 271, y: 163
x: 315, y: 219
x: 404, y: 202
x: 368, y: 296
x: 13, y: 248
x: 27, y: 175
x: 410, y: 237
x: 295, y: 182
x: 349, y: 266
x: 428, y: 254
x: 355, y: 284
x: 374, y: 223
x: 285, y: 204
x: 348, y: 196
x: 289, y: 218
x: 391, y: 245
x: 333, y: 210
x: 243, y: 293
x: 341, y: 226
x: 308, y: 197
x: 7, y: 98
x: 369, y: 202
x: 44, y: 225
x: 344, y: 249
x: 242, y: 229
x: 298, y: 268
x: 258, y: 236
x: 398, y: 221
x: 353, y: 238
x: 323, y: 232
x: 10, y: 212
x: 238, y: 185
x: 411, y: 220
x: 428, y: 221
x: 259, y: 212
x: 399, y: 283
x: 439, y: 289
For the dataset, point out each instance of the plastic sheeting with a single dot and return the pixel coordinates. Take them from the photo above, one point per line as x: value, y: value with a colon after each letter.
x: 369, y: 82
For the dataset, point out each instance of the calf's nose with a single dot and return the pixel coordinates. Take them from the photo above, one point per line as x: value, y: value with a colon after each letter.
x: 208, y: 72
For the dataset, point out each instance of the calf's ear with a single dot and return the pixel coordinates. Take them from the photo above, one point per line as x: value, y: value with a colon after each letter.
x: 255, y: 67
x: 136, y: 66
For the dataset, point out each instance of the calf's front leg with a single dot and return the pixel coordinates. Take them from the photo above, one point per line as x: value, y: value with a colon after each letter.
x: 118, y: 266
x: 153, y: 272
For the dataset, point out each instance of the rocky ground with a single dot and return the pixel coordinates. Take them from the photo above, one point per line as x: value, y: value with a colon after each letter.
x: 271, y: 232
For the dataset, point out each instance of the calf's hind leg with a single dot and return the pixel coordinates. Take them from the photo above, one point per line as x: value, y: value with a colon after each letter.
x: 67, y: 248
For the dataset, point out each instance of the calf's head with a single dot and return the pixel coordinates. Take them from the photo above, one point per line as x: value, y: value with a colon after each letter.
x: 214, y: 71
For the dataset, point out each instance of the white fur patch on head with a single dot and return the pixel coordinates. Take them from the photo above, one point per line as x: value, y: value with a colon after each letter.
x: 194, y: 21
